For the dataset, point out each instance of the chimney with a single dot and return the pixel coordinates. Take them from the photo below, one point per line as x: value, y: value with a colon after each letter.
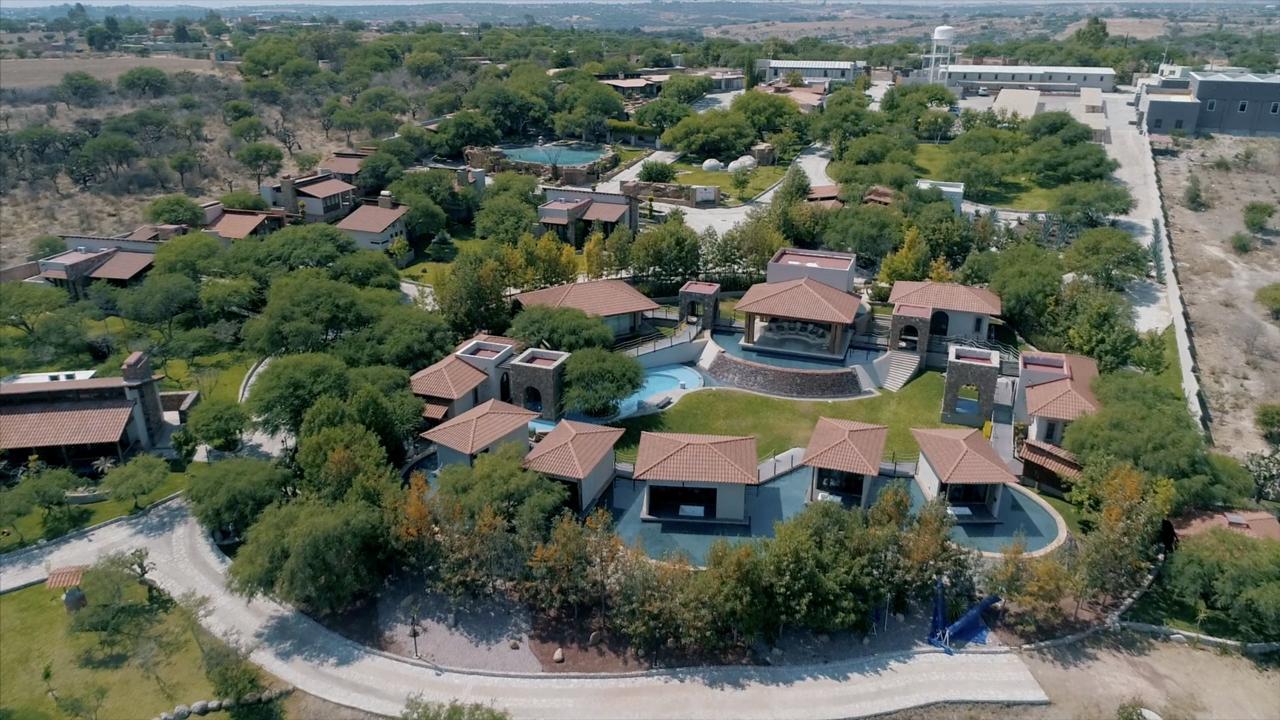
x: 385, y: 200
x: 136, y: 368
x: 288, y: 195
x: 477, y: 182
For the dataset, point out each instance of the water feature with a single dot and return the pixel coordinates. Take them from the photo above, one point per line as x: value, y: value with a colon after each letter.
x: 731, y: 342
x: 561, y: 155
x: 659, y: 380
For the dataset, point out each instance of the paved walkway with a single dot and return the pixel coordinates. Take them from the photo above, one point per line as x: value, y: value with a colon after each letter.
x: 300, y: 652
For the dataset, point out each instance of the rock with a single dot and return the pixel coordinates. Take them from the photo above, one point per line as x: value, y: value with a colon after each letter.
x: 452, y: 620
x: 1178, y: 638
x: 1149, y: 714
x: 182, y: 712
x: 215, y: 705
x: 558, y: 656
x: 199, y: 707
x: 250, y: 698
x: 166, y: 716
x: 228, y: 703
x: 596, y: 638
x: 514, y: 644
x: 866, y: 639
x: 899, y: 617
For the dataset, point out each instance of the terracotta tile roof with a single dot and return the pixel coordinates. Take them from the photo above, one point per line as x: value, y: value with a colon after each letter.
x: 1050, y: 457
x: 945, y: 296
x: 1067, y: 396
x: 237, y: 226
x: 123, y: 265
x: 601, y: 297
x: 28, y: 388
x: 325, y: 188
x: 450, y: 379
x: 65, y: 577
x: 605, y: 212
x: 1257, y: 523
x: 57, y: 424
x: 435, y: 409
x: 372, y: 218
x: 846, y: 445
x: 343, y: 164
x: 701, y: 288
x: 496, y: 339
x: 824, y: 192
x: 802, y: 299
x: 962, y: 457
x: 912, y: 311
x: 479, y: 427
x: 680, y: 457
x: 572, y: 449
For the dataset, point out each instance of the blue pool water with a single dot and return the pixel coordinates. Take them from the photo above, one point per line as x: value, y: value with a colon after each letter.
x: 562, y: 155
x: 730, y: 342
x: 661, y: 379
x: 784, y: 497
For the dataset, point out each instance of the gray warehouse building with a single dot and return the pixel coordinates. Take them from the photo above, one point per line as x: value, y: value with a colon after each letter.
x: 1224, y: 102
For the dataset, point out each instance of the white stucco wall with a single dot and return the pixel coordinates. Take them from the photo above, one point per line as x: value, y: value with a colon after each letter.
x: 927, y: 479
x: 731, y: 500
x: 621, y: 324
x: 961, y: 324
x: 832, y: 277
x: 1038, y: 429
x: 596, y: 481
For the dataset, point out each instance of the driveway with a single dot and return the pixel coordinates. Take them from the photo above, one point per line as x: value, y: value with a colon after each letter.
x: 319, y: 662
x: 716, y: 101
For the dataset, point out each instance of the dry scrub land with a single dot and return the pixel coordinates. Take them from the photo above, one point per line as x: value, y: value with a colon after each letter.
x: 43, y: 72
x: 1237, y: 345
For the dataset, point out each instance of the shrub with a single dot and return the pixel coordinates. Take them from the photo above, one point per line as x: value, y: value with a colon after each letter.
x: 1269, y: 297
x: 1256, y: 215
x: 1193, y: 196
x: 1267, y: 419
x: 1241, y: 243
x: 658, y: 172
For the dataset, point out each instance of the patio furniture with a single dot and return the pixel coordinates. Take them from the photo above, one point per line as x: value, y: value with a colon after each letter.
x: 959, y: 511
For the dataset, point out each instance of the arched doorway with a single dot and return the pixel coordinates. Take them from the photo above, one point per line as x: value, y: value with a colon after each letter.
x: 909, y: 338
x: 939, y: 323
x: 693, y: 310
x: 532, y: 399
x: 504, y: 388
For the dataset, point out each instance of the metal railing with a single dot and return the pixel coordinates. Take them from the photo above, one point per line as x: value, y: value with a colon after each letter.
x: 684, y: 333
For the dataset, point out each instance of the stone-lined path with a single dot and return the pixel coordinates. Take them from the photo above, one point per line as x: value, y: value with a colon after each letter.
x: 302, y: 653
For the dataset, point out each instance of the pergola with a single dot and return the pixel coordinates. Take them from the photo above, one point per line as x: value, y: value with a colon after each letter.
x: 801, y: 316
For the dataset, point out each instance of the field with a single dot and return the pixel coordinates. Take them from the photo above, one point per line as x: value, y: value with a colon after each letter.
x: 44, y: 72
x: 1237, y: 345
x: 1015, y: 193
x: 779, y: 424
x: 762, y: 178
x: 841, y: 28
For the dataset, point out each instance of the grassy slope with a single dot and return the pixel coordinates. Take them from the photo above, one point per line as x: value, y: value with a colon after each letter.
x: 780, y: 424
x: 761, y: 179
x: 1018, y: 192
x: 34, y: 624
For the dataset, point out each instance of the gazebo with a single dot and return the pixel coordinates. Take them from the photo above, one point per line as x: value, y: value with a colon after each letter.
x: 799, y: 317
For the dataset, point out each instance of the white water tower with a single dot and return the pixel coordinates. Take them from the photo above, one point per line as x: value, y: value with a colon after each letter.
x: 941, y: 54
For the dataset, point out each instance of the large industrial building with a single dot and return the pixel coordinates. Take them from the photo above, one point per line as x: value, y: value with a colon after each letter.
x: 1045, y: 78
x: 811, y: 70
x: 1212, y: 101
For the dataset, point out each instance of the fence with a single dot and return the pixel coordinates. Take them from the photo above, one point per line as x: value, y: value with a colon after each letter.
x: 683, y: 334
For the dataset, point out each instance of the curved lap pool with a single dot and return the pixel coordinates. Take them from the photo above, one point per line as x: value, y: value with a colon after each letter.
x: 562, y: 155
x: 659, y: 380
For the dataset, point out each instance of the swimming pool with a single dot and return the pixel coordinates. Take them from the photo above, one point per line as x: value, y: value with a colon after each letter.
x: 658, y: 380
x: 561, y: 155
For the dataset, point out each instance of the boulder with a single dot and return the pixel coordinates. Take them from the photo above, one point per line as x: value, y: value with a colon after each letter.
x: 199, y: 707
x: 596, y: 638
x: 558, y: 655
x: 250, y: 698
x: 166, y: 716
x: 228, y: 703
x: 514, y: 644
x: 215, y: 705
x: 1178, y: 638
x: 776, y: 652
x: 182, y: 712
x: 712, y: 165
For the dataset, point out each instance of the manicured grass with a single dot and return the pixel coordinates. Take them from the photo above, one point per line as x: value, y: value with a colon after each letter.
x: 34, y: 626
x: 780, y: 424
x: 31, y: 528
x: 762, y: 178
x: 629, y: 155
x: 216, y: 376
x: 424, y: 271
x: 1070, y: 513
x: 1017, y: 192
x: 882, y: 309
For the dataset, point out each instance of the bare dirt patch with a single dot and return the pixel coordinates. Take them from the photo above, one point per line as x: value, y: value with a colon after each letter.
x: 1136, y: 28
x: 45, y: 72
x: 1237, y: 345
x: 843, y: 28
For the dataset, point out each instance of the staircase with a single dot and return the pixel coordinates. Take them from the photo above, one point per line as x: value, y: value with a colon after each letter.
x: 902, y: 367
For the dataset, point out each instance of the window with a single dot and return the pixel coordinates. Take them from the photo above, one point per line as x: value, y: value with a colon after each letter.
x: 1275, y: 108
x: 1050, y: 431
x: 1068, y: 78
x: 1244, y: 105
x: 1158, y: 123
x: 977, y: 324
x: 1211, y: 105
x: 1177, y: 124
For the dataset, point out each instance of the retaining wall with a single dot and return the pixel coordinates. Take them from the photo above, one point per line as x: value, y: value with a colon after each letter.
x: 787, y: 382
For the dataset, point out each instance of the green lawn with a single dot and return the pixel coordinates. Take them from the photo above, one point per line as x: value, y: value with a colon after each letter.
x: 216, y: 376
x: 31, y: 528
x: 1016, y: 193
x: 1160, y: 606
x: 629, y: 155
x: 34, y: 625
x: 424, y: 271
x: 762, y: 178
x: 1070, y: 514
x: 779, y: 424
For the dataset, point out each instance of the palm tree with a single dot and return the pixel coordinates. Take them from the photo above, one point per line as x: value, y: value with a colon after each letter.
x: 103, y: 465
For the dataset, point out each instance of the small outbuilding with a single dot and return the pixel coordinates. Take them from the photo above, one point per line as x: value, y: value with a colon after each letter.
x: 479, y: 430
x: 696, y: 478
x: 962, y: 468
x: 845, y: 457
x: 579, y: 455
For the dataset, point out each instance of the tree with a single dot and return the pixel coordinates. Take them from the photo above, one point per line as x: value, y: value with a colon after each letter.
x: 160, y: 301
x: 144, y: 81
x: 981, y: 174
x: 243, y: 200
x: 870, y: 231
x: 593, y: 254
x: 543, y: 262
x: 794, y: 188
x: 1257, y: 214
x: 307, y: 312
x: 464, y: 129
x: 1027, y: 278
x: 740, y: 179
x: 26, y: 303
x: 1108, y: 256
x: 596, y: 380
x: 713, y: 134
x: 347, y: 120
x: 377, y: 172
x: 657, y: 172
x: 424, y: 65
x: 662, y: 114
x: 1097, y: 323
x: 1268, y: 296
x: 319, y: 557
x: 1193, y: 197
x: 471, y: 293
x: 183, y: 163
x: 504, y: 218
x: 1266, y: 418
x: 42, y: 246
x: 233, y: 110
x: 523, y: 500
x: 564, y: 329
x: 686, y: 89
x: 175, y: 210
x: 248, y: 129
x: 260, y: 159
x: 218, y: 423
x: 1232, y: 573
x: 346, y: 461
x: 1093, y: 33
x: 671, y: 250
x: 935, y: 125
x: 909, y: 262
x: 291, y: 384
x: 229, y: 495
x: 191, y: 254
x: 767, y: 112
x: 81, y: 88
x: 140, y: 476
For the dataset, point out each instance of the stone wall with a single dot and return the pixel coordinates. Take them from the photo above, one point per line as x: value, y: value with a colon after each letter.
x: 920, y: 324
x: 772, y: 380
x: 548, y: 381
x: 664, y: 192
x: 960, y: 374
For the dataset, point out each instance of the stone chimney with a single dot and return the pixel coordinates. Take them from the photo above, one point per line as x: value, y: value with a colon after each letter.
x: 288, y: 194
x: 140, y: 387
x: 136, y: 368
x: 386, y: 200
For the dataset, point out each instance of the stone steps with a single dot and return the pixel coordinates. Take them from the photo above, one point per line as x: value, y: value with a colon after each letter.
x: 902, y: 367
